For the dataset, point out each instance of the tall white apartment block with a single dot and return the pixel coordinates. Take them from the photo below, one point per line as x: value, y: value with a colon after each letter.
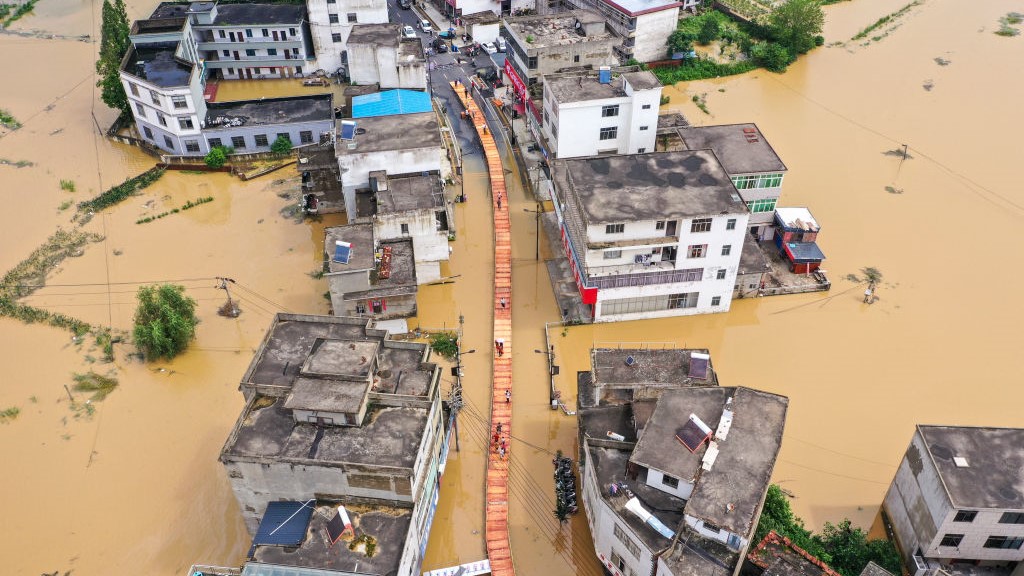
x: 330, y: 23
x: 650, y: 235
x: 590, y: 113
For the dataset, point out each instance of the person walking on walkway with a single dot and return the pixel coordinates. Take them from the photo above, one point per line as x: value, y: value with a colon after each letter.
x: 508, y: 395
x: 503, y: 302
x: 499, y: 427
x: 501, y: 452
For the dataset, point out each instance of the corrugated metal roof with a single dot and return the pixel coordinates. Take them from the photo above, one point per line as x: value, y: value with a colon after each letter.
x: 390, y: 103
x: 804, y: 252
x: 284, y: 524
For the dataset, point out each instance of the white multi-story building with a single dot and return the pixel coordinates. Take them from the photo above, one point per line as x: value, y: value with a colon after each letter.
x: 600, y: 112
x: 379, y: 55
x: 650, y: 235
x: 392, y: 170
x: 755, y: 168
x: 674, y: 468
x: 956, y: 504
x: 164, y: 75
x: 644, y: 25
x: 330, y: 23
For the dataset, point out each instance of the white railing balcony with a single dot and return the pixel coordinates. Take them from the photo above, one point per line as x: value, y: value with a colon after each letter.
x: 204, y: 570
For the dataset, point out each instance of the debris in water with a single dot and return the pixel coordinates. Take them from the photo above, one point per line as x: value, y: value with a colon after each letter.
x: 898, y: 153
x: 892, y: 190
x: 928, y: 85
x: 57, y: 131
x: 941, y: 61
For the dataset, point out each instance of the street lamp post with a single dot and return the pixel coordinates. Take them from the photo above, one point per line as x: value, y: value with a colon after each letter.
x: 552, y: 371
x: 538, y: 212
x: 455, y: 395
x: 512, y: 119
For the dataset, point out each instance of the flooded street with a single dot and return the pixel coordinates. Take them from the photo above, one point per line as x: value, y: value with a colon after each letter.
x: 136, y: 487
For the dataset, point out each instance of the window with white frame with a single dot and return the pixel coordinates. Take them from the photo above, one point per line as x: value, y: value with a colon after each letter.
x: 759, y: 206
x: 697, y: 251
x: 730, y: 224
x: 614, y: 228
x: 700, y: 225
x: 686, y: 300
x: 726, y: 250
x: 609, y: 111
x: 716, y: 300
x: 720, y: 275
x: 757, y: 181
x: 612, y: 254
x: 185, y: 123
x: 609, y: 133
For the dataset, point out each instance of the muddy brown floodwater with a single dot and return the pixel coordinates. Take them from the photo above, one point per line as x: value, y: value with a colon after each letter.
x: 136, y: 487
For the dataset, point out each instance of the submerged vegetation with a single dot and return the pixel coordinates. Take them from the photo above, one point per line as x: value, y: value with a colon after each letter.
x: 8, y: 414
x: 8, y: 121
x: 772, y: 41
x: 122, y: 191
x: 884, y: 21
x: 446, y: 344
x: 101, y: 386
x: 165, y: 321
x: 186, y: 206
x: 1007, y: 23
x: 11, y: 13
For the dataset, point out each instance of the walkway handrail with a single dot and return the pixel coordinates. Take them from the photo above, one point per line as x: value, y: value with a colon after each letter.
x: 499, y: 550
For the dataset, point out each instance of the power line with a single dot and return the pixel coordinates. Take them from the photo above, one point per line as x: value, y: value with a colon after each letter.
x: 834, y: 473
x: 889, y: 464
x: 109, y: 283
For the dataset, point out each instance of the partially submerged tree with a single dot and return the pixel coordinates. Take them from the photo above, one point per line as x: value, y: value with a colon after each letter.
x: 114, y: 43
x: 165, y: 321
x: 281, y: 145
x: 796, y: 24
x: 873, y: 276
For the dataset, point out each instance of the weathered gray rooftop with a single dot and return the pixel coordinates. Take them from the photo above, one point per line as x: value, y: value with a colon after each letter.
x: 170, y: 10
x: 737, y: 154
x: 730, y: 493
x: 397, y: 132
x: 691, y: 558
x: 259, y: 14
x: 642, y: 80
x: 993, y: 476
x: 268, y: 111
x: 344, y: 359
x: 406, y: 193
x: 156, y: 63
x: 557, y: 29
x: 652, y: 186
x: 873, y: 569
x: 388, y: 526
x: 360, y: 236
x: 485, y: 17
x: 610, y: 466
x: 403, y: 264
x: 649, y: 367
x: 386, y: 34
x: 410, y: 51
x: 585, y: 86
x: 290, y: 339
x: 327, y: 395
x: 752, y: 259
x: 597, y: 421
x: 658, y: 447
x: 388, y: 436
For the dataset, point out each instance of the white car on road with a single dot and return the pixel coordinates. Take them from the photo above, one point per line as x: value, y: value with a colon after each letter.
x: 425, y: 26
x: 489, y: 47
x: 408, y: 32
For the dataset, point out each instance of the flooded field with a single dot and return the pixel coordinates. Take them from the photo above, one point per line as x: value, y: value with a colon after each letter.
x: 136, y: 486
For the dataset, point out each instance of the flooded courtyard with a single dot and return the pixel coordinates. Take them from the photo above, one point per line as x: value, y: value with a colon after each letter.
x: 136, y: 486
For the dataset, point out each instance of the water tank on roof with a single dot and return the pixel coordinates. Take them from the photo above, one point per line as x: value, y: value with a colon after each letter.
x: 604, y: 75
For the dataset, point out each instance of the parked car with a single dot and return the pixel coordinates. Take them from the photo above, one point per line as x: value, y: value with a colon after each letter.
x: 500, y: 43
x: 489, y: 75
x: 448, y: 34
x: 439, y: 45
x: 425, y: 26
x: 408, y: 32
x: 405, y: 4
x: 489, y: 47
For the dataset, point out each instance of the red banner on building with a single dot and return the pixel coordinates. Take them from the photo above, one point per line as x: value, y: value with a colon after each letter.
x: 515, y: 80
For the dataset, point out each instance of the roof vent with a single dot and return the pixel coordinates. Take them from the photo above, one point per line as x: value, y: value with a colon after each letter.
x: 960, y: 462
x: 630, y: 361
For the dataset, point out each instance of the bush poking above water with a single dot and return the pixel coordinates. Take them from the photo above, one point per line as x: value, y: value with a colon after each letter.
x: 100, y: 386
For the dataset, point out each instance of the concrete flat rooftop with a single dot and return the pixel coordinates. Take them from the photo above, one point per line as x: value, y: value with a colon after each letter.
x: 290, y: 339
x: 558, y: 29
x: 268, y: 111
x: 638, y: 7
x: 386, y: 133
x: 649, y: 367
x: 388, y: 526
x: 156, y: 63
x: 388, y: 436
x: 259, y: 14
x: 610, y: 467
x: 410, y: 193
x: 360, y: 236
x: 585, y: 86
x: 652, y: 186
x: 995, y: 458
x: 658, y: 447
x: 737, y: 154
x: 386, y: 34
x: 741, y: 472
x: 403, y: 264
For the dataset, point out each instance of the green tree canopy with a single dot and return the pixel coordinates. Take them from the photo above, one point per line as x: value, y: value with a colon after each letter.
x: 709, y: 31
x: 796, y: 23
x: 282, y: 145
x: 680, y: 41
x: 165, y: 321
x: 114, y: 43
x: 216, y: 157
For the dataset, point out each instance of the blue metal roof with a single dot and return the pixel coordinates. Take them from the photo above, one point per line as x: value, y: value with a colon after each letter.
x: 284, y: 524
x: 802, y: 252
x: 390, y: 103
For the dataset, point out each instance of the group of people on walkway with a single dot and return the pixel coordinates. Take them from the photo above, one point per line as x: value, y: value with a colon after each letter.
x: 499, y: 443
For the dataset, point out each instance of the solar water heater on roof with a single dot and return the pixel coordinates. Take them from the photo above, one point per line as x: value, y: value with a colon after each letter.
x: 348, y: 130
x: 693, y: 433
x: 342, y: 252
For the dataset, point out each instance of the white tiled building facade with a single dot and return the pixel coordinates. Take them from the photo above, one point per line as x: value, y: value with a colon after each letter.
x: 330, y: 23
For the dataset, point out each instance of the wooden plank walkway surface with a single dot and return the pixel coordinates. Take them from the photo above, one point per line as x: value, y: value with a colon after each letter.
x: 499, y: 551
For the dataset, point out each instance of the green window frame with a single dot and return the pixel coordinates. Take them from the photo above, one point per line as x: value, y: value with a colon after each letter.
x: 759, y: 206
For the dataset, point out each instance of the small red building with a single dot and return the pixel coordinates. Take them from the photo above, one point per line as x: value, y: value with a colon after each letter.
x: 796, y: 237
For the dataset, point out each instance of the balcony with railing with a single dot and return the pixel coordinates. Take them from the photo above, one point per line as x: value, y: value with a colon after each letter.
x: 204, y: 570
x: 664, y: 275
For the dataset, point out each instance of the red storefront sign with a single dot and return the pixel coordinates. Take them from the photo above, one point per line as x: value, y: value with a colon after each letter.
x: 516, y: 81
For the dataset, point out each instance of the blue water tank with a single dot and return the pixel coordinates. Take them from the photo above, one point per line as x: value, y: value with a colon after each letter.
x: 604, y: 75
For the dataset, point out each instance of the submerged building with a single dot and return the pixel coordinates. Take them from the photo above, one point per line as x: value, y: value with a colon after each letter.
x: 338, y: 417
x: 674, y: 468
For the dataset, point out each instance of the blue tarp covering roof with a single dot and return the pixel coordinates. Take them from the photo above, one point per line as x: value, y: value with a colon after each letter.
x: 802, y: 252
x: 284, y: 524
x: 390, y: 103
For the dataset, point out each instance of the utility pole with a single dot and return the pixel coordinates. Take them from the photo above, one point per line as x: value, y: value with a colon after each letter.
x: 455, y: 402
x: 230, y: 308
x: 537, y: 212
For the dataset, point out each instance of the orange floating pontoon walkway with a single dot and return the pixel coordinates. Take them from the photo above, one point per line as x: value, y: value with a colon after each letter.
x: 499, y: 551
